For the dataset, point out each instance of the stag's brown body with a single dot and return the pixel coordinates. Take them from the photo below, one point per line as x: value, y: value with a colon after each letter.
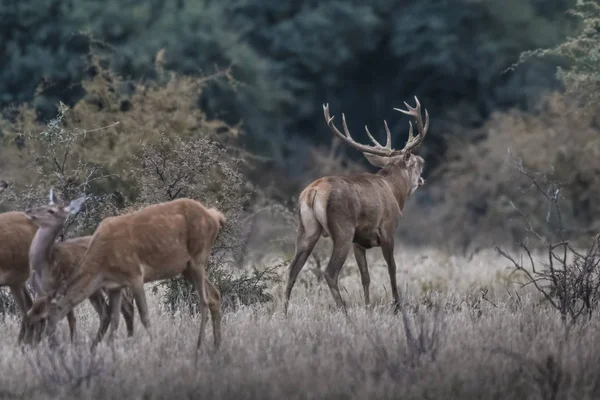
x: 154, y: 243
x: 359, y: 211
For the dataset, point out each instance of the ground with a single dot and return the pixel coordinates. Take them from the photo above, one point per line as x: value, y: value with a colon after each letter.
x: 489, y: 339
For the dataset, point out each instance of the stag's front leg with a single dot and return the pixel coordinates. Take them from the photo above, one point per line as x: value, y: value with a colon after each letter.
x: 361, y: 260
x: 387, y: 248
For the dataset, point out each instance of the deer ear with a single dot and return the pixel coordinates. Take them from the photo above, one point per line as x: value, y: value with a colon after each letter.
x: 75, y: 205
x: 406, y: 156
x: 376, y: 161
x: 52, y: 197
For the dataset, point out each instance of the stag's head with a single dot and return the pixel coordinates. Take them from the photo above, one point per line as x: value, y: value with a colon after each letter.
x: 385, y: 156
x: 55, y: 213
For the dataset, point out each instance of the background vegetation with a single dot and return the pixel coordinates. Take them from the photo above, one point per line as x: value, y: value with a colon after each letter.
x: 140, y: 102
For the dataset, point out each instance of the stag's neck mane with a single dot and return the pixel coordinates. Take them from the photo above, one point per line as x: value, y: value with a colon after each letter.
x: 399, y: 180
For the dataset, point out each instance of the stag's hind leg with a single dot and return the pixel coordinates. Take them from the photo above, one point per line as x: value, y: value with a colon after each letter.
x: 308, y: 236
x: 341, y: 248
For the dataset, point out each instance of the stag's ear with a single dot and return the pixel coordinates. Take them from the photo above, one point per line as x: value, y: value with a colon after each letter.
x: 376, y: 161
x: 75, y: 205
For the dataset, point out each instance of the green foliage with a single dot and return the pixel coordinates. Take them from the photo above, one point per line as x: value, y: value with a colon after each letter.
x: 581, y: 52
x: 290, y: 57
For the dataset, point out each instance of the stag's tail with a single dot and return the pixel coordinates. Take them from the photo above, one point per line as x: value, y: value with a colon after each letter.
x: 217, y: 215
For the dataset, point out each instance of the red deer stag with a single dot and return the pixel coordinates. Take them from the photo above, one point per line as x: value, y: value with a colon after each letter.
x: 157, y: 242
x: 360, y: 211
x: 51, y: 263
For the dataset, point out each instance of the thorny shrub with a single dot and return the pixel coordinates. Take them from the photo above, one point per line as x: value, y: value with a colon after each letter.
x: 568, y: 278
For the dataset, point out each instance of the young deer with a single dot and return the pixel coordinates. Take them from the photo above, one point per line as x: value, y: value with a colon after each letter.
x: 360, y: 211
x: 51, y: 263
x: 16, y: 234
x: 157, y: 242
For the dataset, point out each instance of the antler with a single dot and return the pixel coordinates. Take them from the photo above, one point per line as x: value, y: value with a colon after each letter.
x: 378, y: 149
x: 415, y: 142
x: 386, y: 151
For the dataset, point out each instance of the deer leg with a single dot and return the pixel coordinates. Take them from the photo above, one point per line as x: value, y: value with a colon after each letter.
x: 114, y: 304
x: 197, y: 272
x: 305, y: 243
x: 99, y: 305
x: 24, y: 302
x: 387, y: 248
x: 72, y: 324
x: 214, y: 305
x: 332, y: 272
x: 140, y: 299
x: 361, y: 260
x: 127, y: 309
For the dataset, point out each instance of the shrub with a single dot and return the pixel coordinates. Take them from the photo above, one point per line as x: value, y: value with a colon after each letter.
x: 569, y: 279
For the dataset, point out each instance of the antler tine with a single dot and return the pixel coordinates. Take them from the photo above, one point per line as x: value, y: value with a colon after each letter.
x: 388, y: 143
x: 347, y: 137
x: 51, y: 196
x: 414, y: 142
x: 372, y: 138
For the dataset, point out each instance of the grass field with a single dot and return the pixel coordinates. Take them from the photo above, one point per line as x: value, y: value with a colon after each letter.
x: 474, y: 338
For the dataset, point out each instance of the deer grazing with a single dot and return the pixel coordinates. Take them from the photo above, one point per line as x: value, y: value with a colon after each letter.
x: 360, y: 211
x: 51, y: 262
x: 157, y: 242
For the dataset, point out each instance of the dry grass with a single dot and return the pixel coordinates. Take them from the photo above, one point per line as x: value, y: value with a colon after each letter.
x: 488, y: 346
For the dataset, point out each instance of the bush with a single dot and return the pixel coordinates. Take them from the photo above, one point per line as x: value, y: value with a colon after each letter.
x: 569, y: 279
x: 147, y: 146
x: 477, y: 192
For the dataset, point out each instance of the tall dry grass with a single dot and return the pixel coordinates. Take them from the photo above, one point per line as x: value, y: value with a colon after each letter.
x: 480, y: 339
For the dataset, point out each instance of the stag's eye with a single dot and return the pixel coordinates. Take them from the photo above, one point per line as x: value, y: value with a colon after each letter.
x: 50, y: 211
